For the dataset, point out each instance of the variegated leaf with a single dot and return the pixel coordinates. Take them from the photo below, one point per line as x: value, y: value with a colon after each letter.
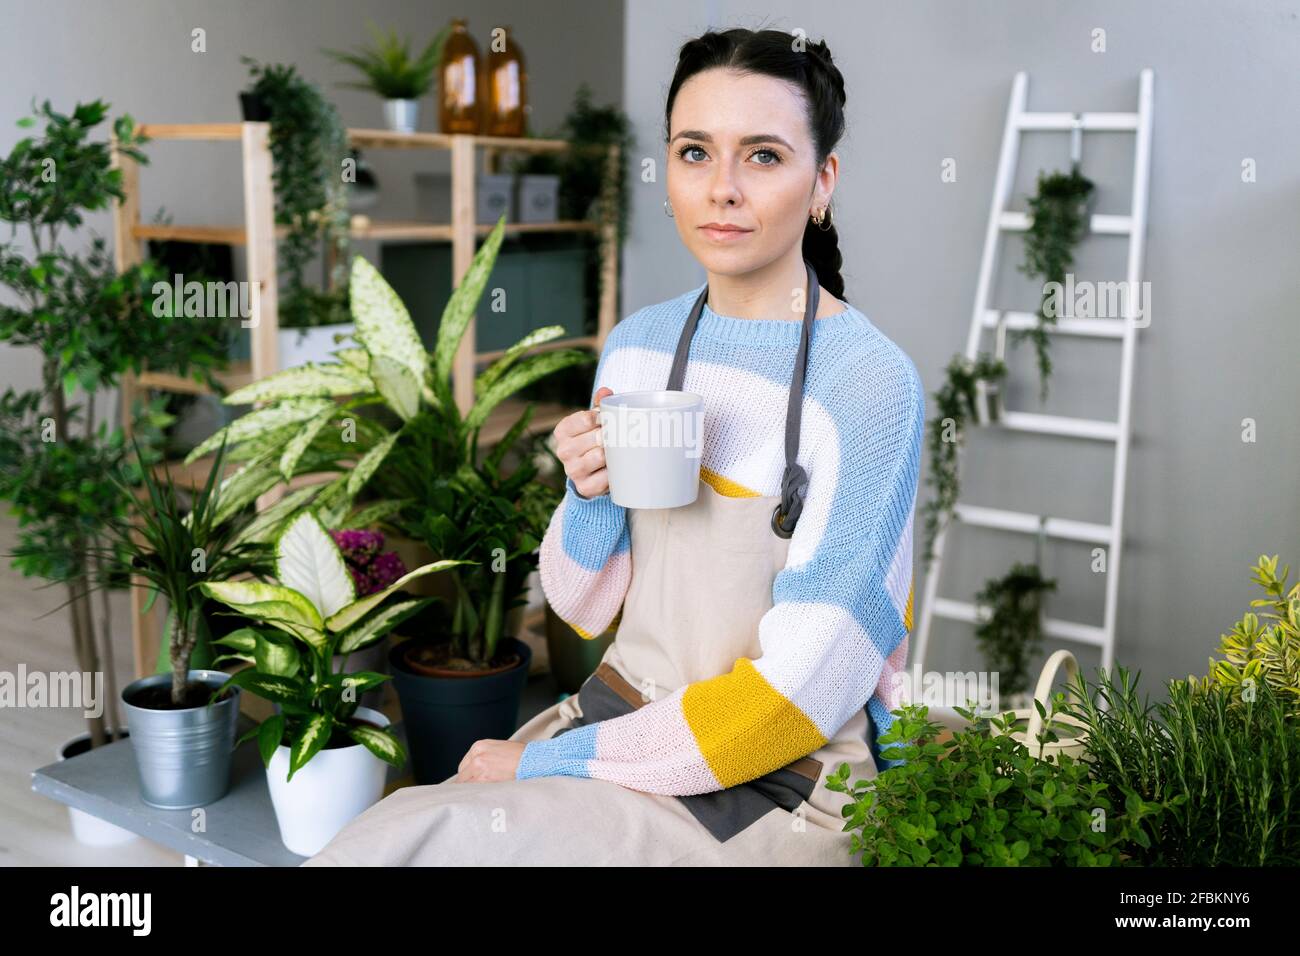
x: 394, y: 381
x: 373, y: 514
x: 314, y: 734
x: 315, y: 379
x: 244, y: 487
x: 381, y: 743
x: 300, y: 442
x: 349, y: 616
x: 259, y: 421
x: 502, y: 365
x: 309, y: 562
x: 369, y: 464
x: 460, y: 307
x: 249, y: 597
x: 374, y: 628
x: 267, y: 525
x: 358, y: 358
x: 521, y: 376
x: 384, y: 326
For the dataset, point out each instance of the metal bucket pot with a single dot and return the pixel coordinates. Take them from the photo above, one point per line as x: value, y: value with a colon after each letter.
x: 183, y: 756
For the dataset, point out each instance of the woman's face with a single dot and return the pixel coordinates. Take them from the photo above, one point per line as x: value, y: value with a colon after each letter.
x: 741, y: 154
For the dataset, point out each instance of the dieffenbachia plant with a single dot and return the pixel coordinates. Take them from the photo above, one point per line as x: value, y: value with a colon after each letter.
x: 307, y: 422
x: 310, y: 614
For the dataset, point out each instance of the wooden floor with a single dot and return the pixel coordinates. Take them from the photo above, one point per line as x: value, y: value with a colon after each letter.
x: 34, y: 830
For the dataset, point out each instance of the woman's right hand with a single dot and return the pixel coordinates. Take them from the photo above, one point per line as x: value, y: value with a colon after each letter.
x: 577, y: 445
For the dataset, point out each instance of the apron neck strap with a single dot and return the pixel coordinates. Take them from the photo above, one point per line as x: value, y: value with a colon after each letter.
x: 794, y: 481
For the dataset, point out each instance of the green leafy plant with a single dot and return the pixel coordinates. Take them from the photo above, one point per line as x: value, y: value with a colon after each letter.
x: 956, y: 403
x: 177, y: 549
x: 1256, y: 651
x: 982, y: 799
x: 418, y: 454
x: 309, y: 144
x: 310, y: 614
x: 388, y: 67
x: 1058, y: 220
x: 88, y: 325
x: 1012, y: 634
x: 1226, y: 767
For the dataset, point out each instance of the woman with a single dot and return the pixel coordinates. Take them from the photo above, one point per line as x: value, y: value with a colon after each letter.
x: 760, y: 627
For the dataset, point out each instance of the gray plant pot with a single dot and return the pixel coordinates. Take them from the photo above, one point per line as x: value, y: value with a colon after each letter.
x: 183, y: 757
x: 402, y: 116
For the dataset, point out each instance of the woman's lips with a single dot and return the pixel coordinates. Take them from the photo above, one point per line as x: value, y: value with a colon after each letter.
x: 724, y: 235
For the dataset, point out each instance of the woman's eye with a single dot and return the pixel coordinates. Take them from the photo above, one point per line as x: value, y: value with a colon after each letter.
x: 761, y: 152
x: 689, y: 149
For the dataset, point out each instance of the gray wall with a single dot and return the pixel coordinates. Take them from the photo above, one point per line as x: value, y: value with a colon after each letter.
x: 928, y: 80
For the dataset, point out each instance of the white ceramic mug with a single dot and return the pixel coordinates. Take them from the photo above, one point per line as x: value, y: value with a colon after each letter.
x: 653, y: 441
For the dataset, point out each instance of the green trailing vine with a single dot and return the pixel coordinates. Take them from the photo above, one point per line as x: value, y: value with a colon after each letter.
x: 1013, y: 633
x: 956, y: 402
x: 1057, y: 222
x: 309, y: 144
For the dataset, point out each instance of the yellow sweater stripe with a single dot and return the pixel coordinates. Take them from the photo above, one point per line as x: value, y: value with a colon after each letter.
x: 725, y: 486
x: 744, y: 726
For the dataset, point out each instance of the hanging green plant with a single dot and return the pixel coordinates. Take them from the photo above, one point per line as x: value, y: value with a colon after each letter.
x: 1013, y: 633
x: 308, y: 146
x: 957, y: 402
x: 1058, y: 220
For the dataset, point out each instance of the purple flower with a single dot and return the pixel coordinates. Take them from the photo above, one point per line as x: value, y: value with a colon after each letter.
x: 371, y: 570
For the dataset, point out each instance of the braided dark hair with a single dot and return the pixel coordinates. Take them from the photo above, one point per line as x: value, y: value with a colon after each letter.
x: 773, y: 53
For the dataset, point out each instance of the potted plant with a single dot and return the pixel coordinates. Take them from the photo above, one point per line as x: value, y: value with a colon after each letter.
x: 958, y: 401
x: 88, y: 324
x: 391, y: 72
x: 309, y: 145
x: 1011, y: 634
x: 420, y: 458
x: 1058, y: 215
x: 324, y: 753
x: 182, y: 742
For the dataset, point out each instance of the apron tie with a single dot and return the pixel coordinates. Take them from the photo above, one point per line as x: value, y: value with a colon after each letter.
x: 794, y: 480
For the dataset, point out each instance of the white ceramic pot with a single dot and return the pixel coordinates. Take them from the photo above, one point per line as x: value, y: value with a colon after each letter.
x: 402, y: 116
x: 91, y: 830
x: 299, y: 346
x: 334, y: 787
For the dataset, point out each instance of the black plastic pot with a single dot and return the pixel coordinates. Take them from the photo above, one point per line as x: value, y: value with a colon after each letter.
x: 254, y: 108
x: 443, y: 716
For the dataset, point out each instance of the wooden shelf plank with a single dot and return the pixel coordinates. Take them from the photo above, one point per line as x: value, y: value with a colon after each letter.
x: 546, y: 415
x: 193, y: 131
x: 237, y: 376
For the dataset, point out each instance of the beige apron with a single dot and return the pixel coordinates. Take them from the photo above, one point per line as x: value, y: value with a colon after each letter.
x: 702, y: 579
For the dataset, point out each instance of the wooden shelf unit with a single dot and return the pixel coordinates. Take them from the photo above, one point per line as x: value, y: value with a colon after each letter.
x: 258, y: 235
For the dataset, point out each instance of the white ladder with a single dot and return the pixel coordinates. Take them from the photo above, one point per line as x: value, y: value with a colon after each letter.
x: 1124, y: 329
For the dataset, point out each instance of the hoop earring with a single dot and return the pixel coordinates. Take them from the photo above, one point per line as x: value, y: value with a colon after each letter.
x: 668, y: 209
x: 824, y: 217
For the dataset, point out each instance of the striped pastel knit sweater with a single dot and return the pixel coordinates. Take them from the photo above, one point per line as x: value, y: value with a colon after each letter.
x: 842, y: 605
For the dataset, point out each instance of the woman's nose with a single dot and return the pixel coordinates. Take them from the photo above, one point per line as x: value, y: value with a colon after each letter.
x: 723, y: 190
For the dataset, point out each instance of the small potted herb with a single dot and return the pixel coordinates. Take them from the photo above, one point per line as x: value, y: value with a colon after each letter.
x: 324, y: 753
x: 391, y: 72
x: 1012, y: 633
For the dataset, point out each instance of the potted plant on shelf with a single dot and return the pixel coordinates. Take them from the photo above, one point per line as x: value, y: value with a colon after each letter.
x: 391, y: 72
x: 324, y: 753
x: 309, y: 145
x: 1058, y: 221
x: 958, y: 402
x: 182, y: 742
x: 88, y: 324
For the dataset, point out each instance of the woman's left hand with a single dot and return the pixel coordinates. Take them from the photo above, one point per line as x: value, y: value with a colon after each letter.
x: 490, y: 760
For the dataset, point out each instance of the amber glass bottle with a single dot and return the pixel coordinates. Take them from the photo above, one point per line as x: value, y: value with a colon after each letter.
x: 506, y: 86
x: 459, y: 83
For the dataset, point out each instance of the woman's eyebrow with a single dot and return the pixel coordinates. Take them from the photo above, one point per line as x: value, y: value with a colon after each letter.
x: 744, y: 140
